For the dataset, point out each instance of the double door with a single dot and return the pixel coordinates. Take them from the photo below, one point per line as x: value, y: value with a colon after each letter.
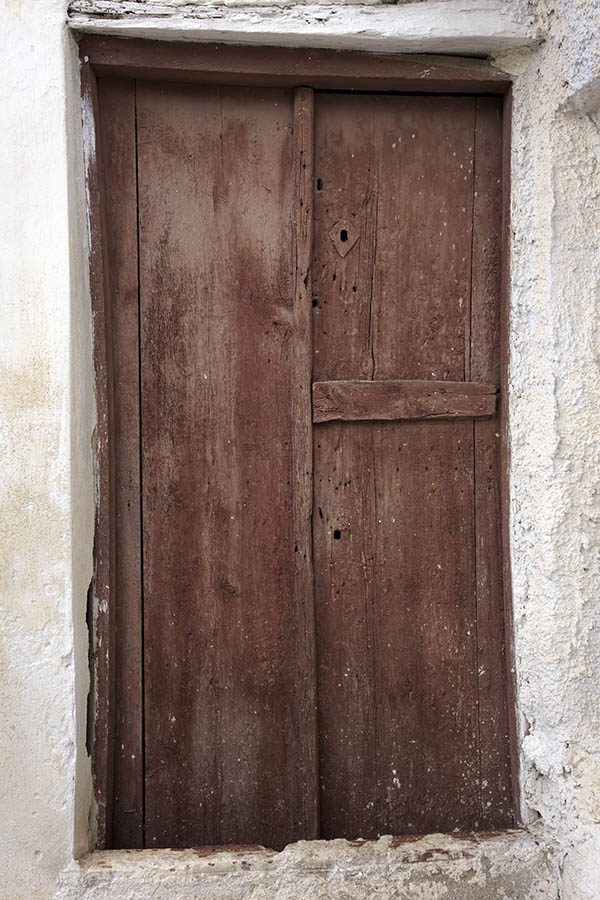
x: 304, y: 294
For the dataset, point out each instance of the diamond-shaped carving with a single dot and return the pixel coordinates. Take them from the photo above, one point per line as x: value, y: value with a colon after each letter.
x: 344, y: 236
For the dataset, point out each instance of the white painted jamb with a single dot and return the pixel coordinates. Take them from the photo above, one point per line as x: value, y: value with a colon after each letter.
x: 462, y: 27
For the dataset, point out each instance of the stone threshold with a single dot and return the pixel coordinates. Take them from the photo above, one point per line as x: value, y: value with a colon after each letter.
x: 507, y: 865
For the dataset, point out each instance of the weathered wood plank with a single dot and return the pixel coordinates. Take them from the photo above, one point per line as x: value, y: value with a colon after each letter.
x: 396, y: 306
x: 394, y: 576
x: 495, y: 775
x: 347, y: 627
x: 406, y: 514
x: 394, y: 519
x: 363, y: 400
x: 487, y: 239
x: 302, y: 453
x: 101, y: 607
x: 117, y: 117
x: 225, y: 702
x: 211, y: 63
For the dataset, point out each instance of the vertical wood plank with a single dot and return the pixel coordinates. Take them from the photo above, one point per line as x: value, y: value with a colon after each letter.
x: 424, y: 575
x: 396, y: 627
x: 225, y: 700
x: 487, y: 239
x: 117, y: 104
x: 346, y: 197
x: 302, y: 451
x: 496, y: 794
x: 102, y: 627
x: 396, y: 173
x: 346, y: 615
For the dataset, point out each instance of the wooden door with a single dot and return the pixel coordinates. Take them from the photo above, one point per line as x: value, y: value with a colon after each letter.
x: 309, y: 637
x: 408, y: 586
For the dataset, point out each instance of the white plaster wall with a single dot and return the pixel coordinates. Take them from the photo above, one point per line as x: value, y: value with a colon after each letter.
x: 46, y: 480
x: 555, y: 430
x: 47, y: 414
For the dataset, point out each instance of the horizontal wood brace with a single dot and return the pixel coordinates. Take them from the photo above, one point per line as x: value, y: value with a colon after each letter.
x: 209, y: 63
x: 363, y: 400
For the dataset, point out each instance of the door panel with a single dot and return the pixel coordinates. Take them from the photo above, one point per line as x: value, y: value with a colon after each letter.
x: 399, y: 172
x: 223, y: 682
x: 396, y: 627
x: 394, y: 523
x: 117, y: 102
x: 253, y: 704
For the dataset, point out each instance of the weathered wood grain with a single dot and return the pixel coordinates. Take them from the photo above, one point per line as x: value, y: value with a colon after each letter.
x: 210, y: 63
x: 363, y: 400
x: 225, y: 697
x: 394, y: 517
x: 323, y: 635
x: 302, y: 454
x: 495, y: 776
x: 101, y: 605
x: 400, y: 169
x: 117, y: 104
x: 396, y: 625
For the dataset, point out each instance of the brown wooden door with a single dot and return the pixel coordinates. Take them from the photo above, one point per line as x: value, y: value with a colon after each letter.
x: 408, y: 600
x: 309, y: 619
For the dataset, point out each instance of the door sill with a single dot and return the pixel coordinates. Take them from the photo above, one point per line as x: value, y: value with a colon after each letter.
x: 514, y: 863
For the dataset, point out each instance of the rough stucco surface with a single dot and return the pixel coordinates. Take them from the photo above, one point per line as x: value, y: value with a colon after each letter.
x: 554, y: 415
x: 427, y: 26
x: 508, y: 867
x: 47, y: 485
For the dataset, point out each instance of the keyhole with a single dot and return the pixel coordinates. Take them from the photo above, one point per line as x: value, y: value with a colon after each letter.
x: 337, y: 534
x: 343, y: 235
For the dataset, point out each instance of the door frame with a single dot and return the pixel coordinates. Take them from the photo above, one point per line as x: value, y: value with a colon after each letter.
x: 227, y: 64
